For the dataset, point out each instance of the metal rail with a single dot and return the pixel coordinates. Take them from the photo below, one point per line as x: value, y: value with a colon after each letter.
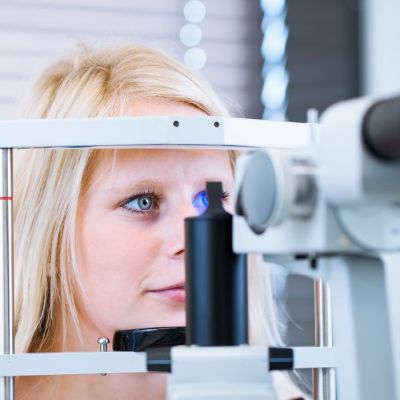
x: 7, y: 271
x: 324, y: 385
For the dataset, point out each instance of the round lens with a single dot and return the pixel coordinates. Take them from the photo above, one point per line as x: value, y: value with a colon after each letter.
x: 200, y: 202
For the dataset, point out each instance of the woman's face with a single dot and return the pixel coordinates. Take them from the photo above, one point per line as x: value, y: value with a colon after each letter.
x: 130, y: 230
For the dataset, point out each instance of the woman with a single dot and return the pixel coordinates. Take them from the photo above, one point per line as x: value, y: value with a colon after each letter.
x: 99, y: 233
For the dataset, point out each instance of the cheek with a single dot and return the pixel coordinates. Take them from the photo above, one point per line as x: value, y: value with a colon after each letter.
x: 113, y: 258
x: 119, y: 249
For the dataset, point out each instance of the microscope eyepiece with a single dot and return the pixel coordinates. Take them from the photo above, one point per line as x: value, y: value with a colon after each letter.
x: 381, y: 129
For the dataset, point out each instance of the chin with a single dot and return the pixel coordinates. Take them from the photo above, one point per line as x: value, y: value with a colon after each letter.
x: 156, y: 318
x: 169, y: 320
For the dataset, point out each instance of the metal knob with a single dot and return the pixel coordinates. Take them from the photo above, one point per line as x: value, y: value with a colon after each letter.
x: 103, y: 342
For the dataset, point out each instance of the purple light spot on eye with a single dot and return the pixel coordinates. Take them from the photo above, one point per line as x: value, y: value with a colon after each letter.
x: 200, y: 202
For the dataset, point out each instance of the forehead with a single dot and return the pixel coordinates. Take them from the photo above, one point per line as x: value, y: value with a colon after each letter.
x: 160, y: 107
x: 120, y: 167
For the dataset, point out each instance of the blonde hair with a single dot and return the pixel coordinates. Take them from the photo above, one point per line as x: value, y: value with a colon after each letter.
x: 49, y: 182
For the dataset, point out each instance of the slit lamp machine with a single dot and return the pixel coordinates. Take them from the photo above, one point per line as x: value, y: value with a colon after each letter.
x: 320, y: 198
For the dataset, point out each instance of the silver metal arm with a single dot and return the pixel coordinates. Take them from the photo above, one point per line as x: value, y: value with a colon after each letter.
x: 6, y: 275
x: 38, y: 364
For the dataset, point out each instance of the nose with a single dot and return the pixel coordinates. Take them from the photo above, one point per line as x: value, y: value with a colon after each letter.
x: 174, y: 242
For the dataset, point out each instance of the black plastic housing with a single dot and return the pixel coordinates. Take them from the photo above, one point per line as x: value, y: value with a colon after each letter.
x: 143, y: 339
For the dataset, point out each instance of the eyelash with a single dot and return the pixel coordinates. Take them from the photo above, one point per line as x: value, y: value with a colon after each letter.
x: 146, y: 193
x: 155, y: 199
x: 225, y: 195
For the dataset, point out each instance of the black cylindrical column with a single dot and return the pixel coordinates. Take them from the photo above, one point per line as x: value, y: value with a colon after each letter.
x: 216, y: 278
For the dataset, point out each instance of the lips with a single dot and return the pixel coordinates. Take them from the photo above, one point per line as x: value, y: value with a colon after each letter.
x: 174, y: 293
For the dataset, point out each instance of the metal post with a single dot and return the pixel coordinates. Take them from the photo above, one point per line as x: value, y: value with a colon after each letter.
x: 324, y: 387
x: 7, y: 273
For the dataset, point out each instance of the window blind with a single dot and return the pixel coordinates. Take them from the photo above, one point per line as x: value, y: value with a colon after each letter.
x: 33, y: 33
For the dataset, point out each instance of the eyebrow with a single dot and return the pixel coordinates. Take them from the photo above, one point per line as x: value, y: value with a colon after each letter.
x: 143, y: 184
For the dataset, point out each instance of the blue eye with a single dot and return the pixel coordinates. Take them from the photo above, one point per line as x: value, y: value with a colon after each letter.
x: 200, y: 202
x: 141, y: 204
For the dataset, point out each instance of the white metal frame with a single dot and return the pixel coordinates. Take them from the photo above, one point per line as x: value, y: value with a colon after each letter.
x: 162, y: 131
